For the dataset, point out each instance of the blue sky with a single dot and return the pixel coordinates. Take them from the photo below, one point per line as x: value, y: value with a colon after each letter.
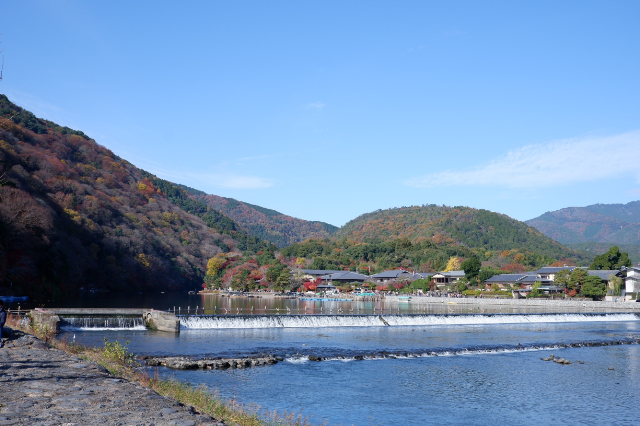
x: 327, y: 110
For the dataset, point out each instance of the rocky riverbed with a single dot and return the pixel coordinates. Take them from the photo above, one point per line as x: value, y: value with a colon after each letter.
x: 186, y: 363
x: 41, y: 385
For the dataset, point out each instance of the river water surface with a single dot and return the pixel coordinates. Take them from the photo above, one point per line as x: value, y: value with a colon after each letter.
x: 435, y: 367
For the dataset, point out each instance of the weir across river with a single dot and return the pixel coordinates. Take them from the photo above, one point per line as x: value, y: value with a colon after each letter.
x: 141, y: 319
x: 105, y: 318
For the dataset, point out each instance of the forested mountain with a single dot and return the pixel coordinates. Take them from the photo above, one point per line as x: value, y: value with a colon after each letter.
x: 426, y: 239
x: 73, y: 214
x: 613, y: 224
x: 455, y: 225
x: 267, y: 224
x: 592, y: 248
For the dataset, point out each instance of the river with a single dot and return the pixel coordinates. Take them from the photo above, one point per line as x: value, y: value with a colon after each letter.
x: 429, y: 365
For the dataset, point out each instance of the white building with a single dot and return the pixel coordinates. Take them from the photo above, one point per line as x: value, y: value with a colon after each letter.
x: 445, y: 278
x: 631, y: 281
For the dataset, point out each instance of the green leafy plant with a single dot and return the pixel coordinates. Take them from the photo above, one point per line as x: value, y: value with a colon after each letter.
x: 115, y: 351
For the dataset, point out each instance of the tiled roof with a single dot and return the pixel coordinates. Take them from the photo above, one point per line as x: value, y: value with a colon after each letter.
x: 453, y: 274
x: 515, y: 278
x: 391, y: 274
x: 345, y: 276
x: 505, y: 278
x: 603, y: 273
x: 425, y: 274
x: 533, y: 278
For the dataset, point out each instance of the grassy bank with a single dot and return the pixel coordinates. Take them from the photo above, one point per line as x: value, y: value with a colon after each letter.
x: 115, y: 357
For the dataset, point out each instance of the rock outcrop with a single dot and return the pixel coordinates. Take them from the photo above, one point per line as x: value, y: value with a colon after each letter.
x: 186, y: 363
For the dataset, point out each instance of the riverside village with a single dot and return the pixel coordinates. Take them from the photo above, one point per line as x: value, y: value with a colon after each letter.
x: 319, y: 213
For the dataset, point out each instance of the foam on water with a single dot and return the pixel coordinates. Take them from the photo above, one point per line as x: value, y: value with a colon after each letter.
x: 319, y: 321
x: 301, y: 359
x: 101, y: 323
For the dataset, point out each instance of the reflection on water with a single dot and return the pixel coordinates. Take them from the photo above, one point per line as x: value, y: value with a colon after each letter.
x: 214, y: 304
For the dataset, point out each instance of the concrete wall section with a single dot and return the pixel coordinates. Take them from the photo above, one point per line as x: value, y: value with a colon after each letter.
x: 44, y: 320
x: 161, y: 321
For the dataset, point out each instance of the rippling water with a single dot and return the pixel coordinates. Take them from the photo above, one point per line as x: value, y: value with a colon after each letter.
x: 482, y: 373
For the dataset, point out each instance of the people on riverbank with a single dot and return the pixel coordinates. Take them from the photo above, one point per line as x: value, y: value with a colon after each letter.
x: 3, y: 319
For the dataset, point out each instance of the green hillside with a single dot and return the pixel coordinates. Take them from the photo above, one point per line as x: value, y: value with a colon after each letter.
x: 592, y: 249
x: 464, y: 226
x: 73, y: 214
x: 424, y: 238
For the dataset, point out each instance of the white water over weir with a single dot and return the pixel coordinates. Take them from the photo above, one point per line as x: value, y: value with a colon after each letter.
x: 98, y: 323
x: 317, y: 321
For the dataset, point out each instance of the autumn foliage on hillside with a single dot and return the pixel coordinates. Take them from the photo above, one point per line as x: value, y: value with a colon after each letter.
x: 462, y: 226
x: 73, y: 214
x: 429, y: 239
x: 418, y: 256
x: 267, y: 224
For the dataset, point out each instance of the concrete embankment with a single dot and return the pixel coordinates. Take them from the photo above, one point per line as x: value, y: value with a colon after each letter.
x: 523, y: 303
x: 41, y: 385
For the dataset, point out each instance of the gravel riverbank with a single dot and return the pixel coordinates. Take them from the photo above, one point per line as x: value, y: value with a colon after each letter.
x: 41, y: 385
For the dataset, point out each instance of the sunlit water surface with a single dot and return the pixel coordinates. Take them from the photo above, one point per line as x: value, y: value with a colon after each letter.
x: 483, y: 374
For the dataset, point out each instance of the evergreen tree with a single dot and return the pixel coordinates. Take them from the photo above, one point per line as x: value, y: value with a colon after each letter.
x: 282, y: 282
x: 561, y: 279
x: 612, y: 259
x: 471, y: 267
x: 593, y: 287
x: 577, y: 279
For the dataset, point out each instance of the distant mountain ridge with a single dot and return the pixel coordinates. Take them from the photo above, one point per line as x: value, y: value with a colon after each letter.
x: 593, y: 248
x: 600, y: 223
x: 264, y: 223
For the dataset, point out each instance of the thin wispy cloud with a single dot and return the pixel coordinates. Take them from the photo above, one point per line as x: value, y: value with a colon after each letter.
x: 242, y: 182
x: 227, y: 180
x: 217, y: 179
x: 413, y: 49
x: 554, y: 164
x: 34, y: 104
x: 316, y: 105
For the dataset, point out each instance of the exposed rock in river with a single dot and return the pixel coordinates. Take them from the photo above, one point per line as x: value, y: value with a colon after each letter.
x: 186, y: 363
